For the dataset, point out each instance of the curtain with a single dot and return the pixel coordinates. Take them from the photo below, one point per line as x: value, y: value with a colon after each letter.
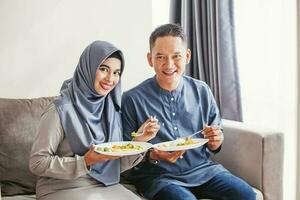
x: 209, y: 25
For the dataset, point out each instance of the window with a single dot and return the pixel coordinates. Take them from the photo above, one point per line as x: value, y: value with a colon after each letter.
x: 266, y: 51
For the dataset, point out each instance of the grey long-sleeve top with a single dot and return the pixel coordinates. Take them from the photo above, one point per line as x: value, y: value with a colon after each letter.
x: 53, y: 161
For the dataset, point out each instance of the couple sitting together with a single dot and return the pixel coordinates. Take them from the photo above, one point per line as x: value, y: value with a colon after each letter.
x: 89, y: 112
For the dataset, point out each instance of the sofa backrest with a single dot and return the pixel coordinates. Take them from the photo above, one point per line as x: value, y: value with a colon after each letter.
x: 19, y: 119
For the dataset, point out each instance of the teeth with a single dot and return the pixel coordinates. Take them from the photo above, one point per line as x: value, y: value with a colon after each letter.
x: 169, y: 72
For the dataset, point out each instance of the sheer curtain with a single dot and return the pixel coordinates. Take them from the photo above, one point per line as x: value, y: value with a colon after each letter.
x: 209, y: 25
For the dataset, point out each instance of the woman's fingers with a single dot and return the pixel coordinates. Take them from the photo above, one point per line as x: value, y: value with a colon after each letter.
x: 93, y: 147
x: 91, y: 157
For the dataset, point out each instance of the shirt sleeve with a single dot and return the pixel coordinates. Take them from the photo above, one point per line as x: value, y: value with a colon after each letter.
x: 128, y: 116
x: 44, y: 160
x: 214, y: 117
x: 128, y: 162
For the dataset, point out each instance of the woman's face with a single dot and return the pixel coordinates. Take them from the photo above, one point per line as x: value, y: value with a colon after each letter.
x: 107, y: 76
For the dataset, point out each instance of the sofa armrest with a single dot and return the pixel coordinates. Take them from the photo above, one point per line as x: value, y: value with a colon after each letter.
x: 255, y: 155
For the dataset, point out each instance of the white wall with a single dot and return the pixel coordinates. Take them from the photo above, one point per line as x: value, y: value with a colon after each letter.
x: 160, y: 12
x: 298, y: 78
x: 41, y: 41
x: 267, y: 57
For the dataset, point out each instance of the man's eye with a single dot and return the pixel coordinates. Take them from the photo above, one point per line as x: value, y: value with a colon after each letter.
x: 160, y: 57
x: 177, y: 56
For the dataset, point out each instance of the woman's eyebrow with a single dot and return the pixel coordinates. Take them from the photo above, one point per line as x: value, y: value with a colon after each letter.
x: 104, y: 65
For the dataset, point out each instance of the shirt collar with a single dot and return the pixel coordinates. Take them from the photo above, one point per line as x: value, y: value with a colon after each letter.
x: 175, y: 92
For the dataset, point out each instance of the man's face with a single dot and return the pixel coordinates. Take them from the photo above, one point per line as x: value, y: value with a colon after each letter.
x: 168, y: 58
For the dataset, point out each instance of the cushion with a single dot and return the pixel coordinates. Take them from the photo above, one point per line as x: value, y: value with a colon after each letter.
x: 19, y: 119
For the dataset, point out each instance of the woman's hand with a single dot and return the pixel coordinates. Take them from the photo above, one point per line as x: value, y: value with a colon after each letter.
x: 91, y: 157
x: 148, y: 130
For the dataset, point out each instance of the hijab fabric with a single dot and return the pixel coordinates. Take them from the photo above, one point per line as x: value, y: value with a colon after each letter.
x: 89, y: 118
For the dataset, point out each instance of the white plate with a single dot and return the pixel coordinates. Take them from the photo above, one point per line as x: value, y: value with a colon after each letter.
x: 171, y: 145
x: 145, y: 146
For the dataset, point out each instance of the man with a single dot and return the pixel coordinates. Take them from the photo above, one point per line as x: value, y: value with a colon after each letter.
x: 171, y: 105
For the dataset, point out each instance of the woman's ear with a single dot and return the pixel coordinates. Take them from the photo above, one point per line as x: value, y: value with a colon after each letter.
x: 188, y: 55
x: 149, y: 58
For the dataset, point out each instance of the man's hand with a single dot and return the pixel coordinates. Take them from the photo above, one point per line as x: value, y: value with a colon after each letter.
x: 170, y: 157
x: 148, y: 130
x: 215, y: 136
x: 91, y: 157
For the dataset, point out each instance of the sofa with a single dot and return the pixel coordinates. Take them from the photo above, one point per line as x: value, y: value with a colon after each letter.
x: 254, y: 154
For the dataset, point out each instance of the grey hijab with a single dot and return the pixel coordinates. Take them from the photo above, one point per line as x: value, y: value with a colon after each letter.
x: 87, y: 117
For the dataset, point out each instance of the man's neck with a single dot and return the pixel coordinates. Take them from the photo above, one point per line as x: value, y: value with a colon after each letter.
x: 169, y: 87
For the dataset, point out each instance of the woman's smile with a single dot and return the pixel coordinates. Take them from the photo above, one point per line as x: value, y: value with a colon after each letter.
x: 106, y: 86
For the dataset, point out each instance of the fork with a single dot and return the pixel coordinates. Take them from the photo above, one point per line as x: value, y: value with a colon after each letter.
x: 189, y: 136
x: 139, y: 133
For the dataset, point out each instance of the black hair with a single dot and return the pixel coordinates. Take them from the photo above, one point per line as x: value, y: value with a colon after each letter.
x: 117, y: 55
x: 174, y: 30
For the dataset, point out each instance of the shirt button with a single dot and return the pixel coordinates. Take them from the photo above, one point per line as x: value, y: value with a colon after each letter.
x: 175, y: 128
x: 172, y: 99
x: 173, y: 114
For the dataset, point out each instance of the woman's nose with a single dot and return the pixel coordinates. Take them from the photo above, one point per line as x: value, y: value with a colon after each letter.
x: 109, y: 77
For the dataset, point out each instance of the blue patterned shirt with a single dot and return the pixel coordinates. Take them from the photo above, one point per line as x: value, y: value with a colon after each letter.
x: 180, y: 113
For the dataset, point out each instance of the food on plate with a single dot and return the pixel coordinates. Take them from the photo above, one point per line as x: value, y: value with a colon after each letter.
x: 134, y: 134
x: 120, y: 148
x: 186, y: 141
x: 179, y: 142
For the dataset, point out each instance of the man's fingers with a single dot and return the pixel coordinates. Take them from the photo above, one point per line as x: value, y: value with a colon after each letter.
x: 153, y: 119
x: 177, y: 154
x: 215, y: 138
x: 152, y: 125
x: 152, y: 128
x: 212, y: 132
x: 171, y: 157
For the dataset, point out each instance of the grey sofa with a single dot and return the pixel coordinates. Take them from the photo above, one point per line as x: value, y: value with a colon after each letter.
x: 254, y: 154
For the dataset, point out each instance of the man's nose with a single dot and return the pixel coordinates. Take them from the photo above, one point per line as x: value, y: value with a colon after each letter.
x: 169, y: 63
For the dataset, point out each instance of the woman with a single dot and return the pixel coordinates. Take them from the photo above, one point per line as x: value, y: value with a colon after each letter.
x: 86, y: 113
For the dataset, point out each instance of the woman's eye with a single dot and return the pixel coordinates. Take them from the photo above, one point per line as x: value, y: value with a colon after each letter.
x: 103, y: 69
x: 118, y: 73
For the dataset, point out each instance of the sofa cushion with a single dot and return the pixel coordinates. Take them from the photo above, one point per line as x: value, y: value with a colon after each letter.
x: 19, y: 119
x: 19, y: 197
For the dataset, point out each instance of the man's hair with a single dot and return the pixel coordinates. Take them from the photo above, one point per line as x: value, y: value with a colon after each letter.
x: 174, y: 30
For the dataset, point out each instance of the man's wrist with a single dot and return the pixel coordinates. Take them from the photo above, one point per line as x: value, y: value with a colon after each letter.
x: 215, y: 150
x: 149, y: 158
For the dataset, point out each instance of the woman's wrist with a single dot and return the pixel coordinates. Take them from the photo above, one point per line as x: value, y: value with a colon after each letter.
x: 87, y: 162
